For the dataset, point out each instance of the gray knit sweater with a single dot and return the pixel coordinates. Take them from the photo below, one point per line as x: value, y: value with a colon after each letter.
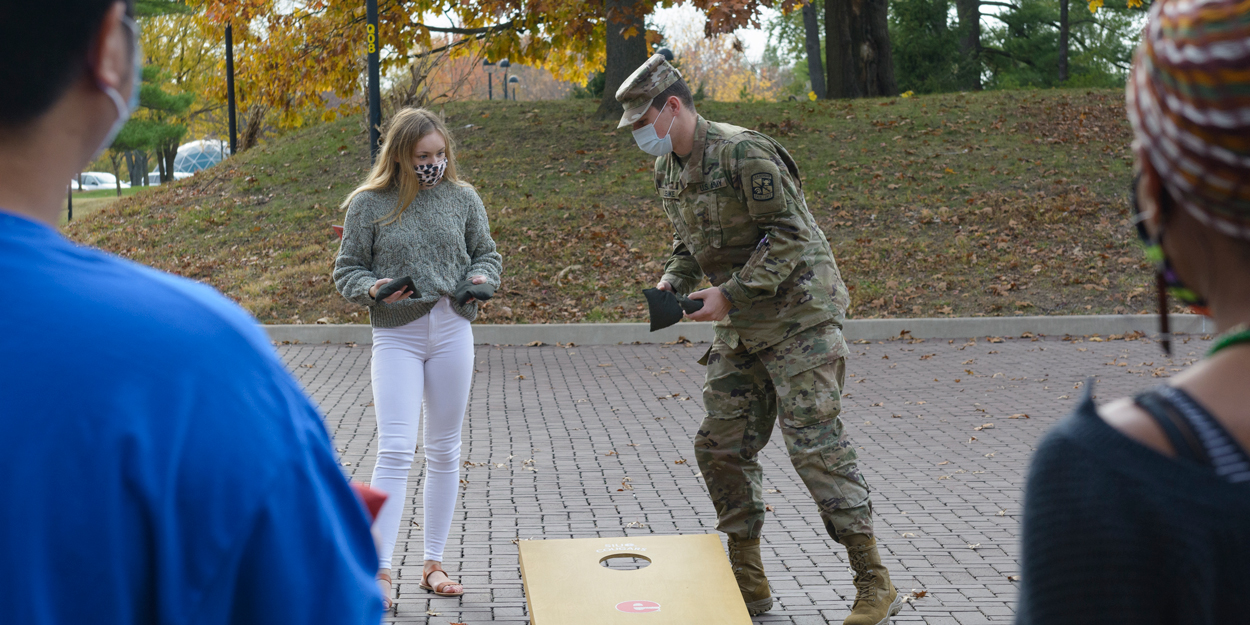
x: 442, y: 238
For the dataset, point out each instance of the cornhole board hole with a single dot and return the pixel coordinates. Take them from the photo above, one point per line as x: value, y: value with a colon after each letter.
x: 687, y: 580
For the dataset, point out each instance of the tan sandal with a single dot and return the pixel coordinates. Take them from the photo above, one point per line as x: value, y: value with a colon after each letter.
x: 387, y: 603
x: 438, y: 590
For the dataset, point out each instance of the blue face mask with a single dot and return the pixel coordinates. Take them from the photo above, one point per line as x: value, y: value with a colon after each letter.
x: 650, y: 142
x: 124, y: 108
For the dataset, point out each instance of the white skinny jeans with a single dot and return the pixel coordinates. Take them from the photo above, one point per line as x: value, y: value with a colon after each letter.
x: 428, y: 361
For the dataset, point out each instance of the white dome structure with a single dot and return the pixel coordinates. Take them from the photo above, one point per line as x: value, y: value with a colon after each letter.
x: 198, y: 155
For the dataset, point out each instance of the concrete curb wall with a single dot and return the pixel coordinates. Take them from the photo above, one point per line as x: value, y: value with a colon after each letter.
x: 701, y: 332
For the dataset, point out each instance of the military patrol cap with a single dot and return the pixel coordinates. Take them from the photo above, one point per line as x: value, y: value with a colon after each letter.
x: 648, y: 81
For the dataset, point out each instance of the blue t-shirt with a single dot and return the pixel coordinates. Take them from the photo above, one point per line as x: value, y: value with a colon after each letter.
x: 159, y: 465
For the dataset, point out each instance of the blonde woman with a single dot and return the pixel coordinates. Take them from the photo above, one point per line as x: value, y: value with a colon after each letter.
x: 414, y: 218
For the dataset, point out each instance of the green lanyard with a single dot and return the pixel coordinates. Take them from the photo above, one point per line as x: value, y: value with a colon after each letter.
x: 1239, y: 334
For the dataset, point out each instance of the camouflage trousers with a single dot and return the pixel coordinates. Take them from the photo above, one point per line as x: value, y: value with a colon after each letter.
x: 797, y: 383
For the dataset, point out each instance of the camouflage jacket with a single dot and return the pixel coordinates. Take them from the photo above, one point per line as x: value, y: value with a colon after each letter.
x: 740, y: 218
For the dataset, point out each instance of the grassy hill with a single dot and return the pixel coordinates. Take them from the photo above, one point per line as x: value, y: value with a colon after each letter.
x: 993, y: 203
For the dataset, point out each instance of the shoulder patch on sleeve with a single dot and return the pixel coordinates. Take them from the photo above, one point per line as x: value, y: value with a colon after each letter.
x: 762, y: 186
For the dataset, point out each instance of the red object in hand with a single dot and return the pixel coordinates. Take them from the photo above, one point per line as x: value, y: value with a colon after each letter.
x: 372, y: 498
x: 338, y: 230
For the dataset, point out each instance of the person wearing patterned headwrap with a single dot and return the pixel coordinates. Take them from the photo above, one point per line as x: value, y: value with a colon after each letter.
x: 1138, y: 511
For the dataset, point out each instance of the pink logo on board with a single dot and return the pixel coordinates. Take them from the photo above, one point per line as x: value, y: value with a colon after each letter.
x: 638, y: 606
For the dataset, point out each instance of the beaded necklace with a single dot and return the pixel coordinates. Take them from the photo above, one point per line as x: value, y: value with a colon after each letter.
x: 1239, y: 334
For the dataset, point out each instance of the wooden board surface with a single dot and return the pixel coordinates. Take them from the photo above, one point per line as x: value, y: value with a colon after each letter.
x: 687, y: 581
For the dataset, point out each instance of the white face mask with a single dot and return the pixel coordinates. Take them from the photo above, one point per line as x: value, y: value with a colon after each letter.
x: 124, y: 108
x: 650, y: 142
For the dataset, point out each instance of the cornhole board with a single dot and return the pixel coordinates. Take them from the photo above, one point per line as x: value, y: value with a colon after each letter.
x: 687, y: 581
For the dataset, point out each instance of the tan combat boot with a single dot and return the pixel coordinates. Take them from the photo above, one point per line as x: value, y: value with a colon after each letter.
x: 748, y: 568
x: 876, y: 599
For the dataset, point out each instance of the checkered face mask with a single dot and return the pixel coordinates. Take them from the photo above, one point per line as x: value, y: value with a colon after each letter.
x: 430, y: 173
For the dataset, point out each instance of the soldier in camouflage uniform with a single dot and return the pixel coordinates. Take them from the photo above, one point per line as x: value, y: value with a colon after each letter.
x: 736, y: 202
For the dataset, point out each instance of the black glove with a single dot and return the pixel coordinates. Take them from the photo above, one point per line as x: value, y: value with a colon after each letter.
x: 393, y: 287
x: 666, y: 307
x: 480, y: 292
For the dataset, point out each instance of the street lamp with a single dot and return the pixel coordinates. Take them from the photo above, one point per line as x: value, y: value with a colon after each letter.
x: 504, y: 65
x: 514, y: 81
x: 489, y: 67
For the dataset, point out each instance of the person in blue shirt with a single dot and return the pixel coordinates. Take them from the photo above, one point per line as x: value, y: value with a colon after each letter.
x: 159, y: 464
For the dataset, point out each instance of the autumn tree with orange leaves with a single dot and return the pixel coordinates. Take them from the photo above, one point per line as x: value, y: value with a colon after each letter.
x: 304, y: 59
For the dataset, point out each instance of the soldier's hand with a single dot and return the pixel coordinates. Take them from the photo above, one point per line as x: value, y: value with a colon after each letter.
x: 663, y: 285
x: 715, y: 305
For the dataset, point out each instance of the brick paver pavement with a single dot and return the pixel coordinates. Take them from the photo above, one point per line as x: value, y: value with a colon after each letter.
x: 594, y: 441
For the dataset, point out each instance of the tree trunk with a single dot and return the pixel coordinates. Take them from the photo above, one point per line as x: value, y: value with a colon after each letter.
x: 137, y: 166
x: 857, y: 48
x: 168, y: 153
x: 815, y: 70
x: 252, y: 125
x: 969, y: 43
x: 115, y: 158
x: 1063, y: 41
x: 624, y: 54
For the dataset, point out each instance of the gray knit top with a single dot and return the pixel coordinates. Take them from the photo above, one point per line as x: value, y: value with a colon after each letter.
x: 442, y: 238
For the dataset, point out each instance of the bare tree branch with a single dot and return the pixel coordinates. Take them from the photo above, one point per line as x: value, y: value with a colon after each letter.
x: 1008, y: 55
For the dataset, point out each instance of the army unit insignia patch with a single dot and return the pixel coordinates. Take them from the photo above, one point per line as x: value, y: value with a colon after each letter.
x: 762, y: 187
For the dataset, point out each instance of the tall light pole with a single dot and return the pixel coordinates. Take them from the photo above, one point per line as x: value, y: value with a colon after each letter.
x: 504, y: 65
x: 375, y: 90
x: 514, y: 81
x: 230, y: 106
x: 490, y: 71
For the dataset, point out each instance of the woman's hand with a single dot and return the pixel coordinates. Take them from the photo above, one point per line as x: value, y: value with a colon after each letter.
x: 403, y: 293
x: 476, y: 280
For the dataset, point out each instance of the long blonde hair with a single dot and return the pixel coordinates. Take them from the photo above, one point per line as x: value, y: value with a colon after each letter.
x: 393, y: 167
